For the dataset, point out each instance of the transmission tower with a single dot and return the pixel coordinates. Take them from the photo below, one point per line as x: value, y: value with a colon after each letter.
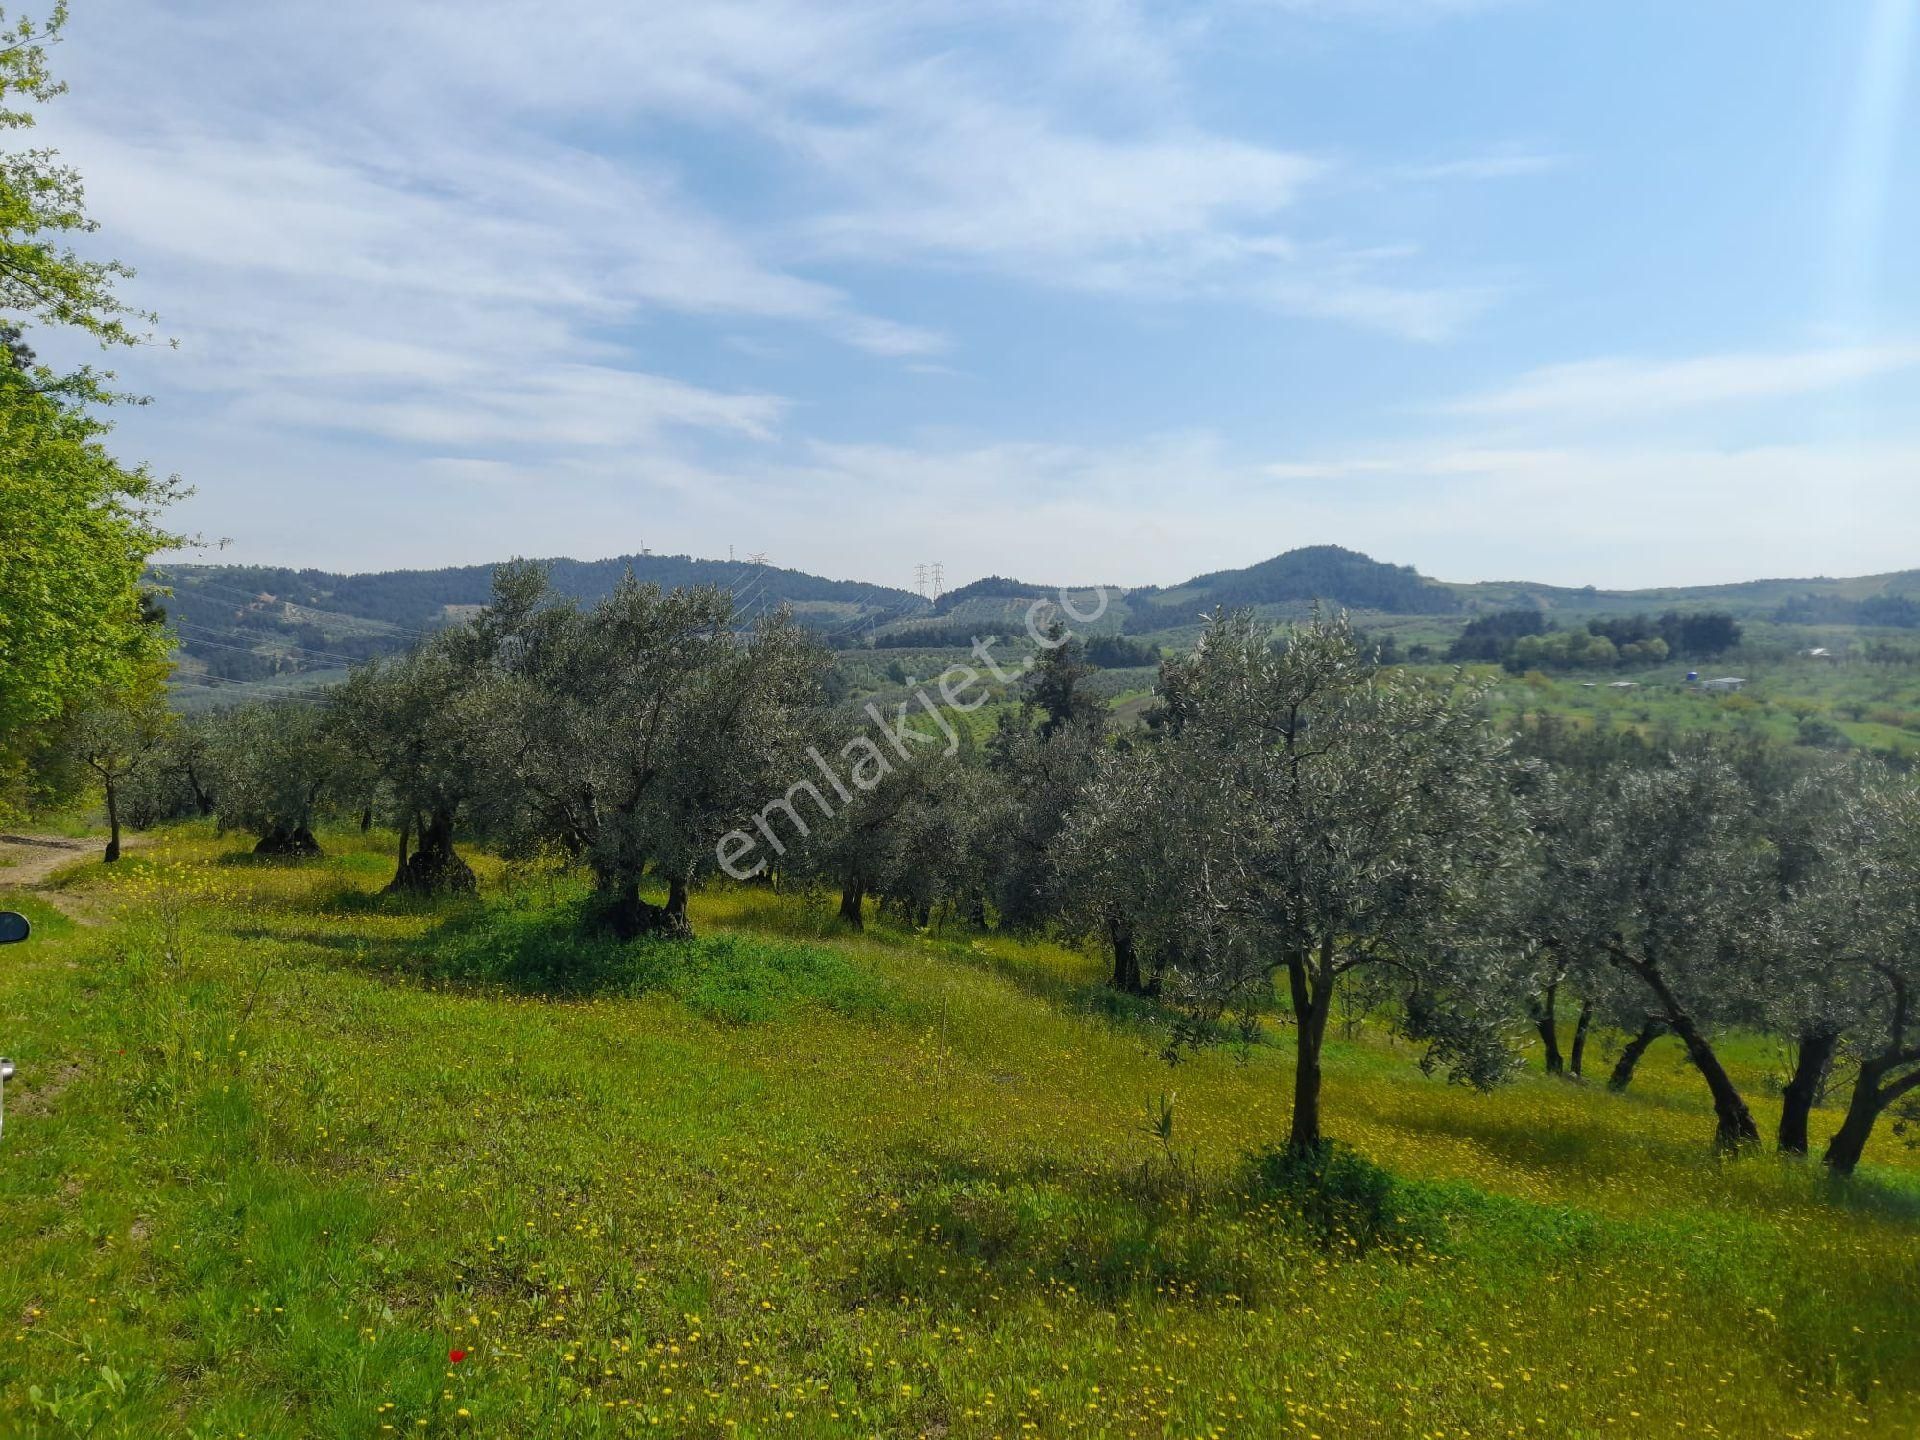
x: 939, y: 580
x: 920, y: 579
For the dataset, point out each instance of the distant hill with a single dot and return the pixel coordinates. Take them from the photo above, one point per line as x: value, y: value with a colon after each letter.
x: 1327, y: 573
x: 255, y: 626
x: 1821, y: 599
x: 258, y: 625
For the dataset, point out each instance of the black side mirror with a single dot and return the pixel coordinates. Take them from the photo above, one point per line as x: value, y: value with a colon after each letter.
x: 13, y: 928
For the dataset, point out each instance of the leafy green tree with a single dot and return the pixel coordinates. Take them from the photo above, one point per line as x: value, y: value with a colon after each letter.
x: 42, y: 207
x: 1337, y: 816
x: 1037, y: 780
x: 181, y: 779
x: 119, y: 738
x: 79, y: 525
x: 1121, y: 865
x: 1853, y: 928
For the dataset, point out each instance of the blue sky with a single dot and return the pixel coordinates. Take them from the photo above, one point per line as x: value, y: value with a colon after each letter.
x: 1093, y: 290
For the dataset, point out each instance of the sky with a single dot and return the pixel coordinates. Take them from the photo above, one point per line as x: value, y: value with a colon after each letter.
x: 1078, y: 291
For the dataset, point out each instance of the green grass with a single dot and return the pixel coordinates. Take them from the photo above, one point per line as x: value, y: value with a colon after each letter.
x: 1875, y: 707
x: 279, y: 1146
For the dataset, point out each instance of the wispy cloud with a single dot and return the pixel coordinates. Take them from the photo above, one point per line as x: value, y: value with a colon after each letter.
x: 1601, y: 390
x: 1506, y: 163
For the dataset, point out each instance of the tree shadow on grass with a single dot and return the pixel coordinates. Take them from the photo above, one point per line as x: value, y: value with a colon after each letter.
x: 355, y: 900
x: 374, y: 953
x: 951, y: 1232
x: 1590, y: 1154
x: 248, y: 860
x: 954, y: 1232
x: 1883, y: 1195
x: 1090, y: 998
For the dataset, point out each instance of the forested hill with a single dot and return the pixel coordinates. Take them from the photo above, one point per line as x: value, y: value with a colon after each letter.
x: 417, y: 598
x: 246, y: 623
x: 1326, y: 573
x: 241, y: 624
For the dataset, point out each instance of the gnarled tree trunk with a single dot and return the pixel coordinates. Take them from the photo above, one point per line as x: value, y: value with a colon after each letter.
x: 291, y: 842
x: 629, y: 917
x: 1126, y: 960
x: 113, y: 824
x: 435, y: 867
x: 1872, y: 1094
x: 1630, y: 1057
x: 1733, y: 1121
x: 202, y: 797
x: 1812, y: 1055
x: 853, y: 897
x: 1577, y: 1057
x: 1546, y: 1022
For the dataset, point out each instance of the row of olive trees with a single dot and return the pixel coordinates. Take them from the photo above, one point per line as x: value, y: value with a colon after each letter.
x: 1294, y: 817
x: 1306, y: 816
x: 629, y: 732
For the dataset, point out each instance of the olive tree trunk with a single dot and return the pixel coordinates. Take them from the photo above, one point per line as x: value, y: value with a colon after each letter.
x: 113, y: 824
x: 1312, y: 1002
x: 293, y: 842
x: 1630, y: 1057
x: 1546, y: 1021
x: 1872, y: 1094
x: 434, y: 867
x: 853, y: 896
x: 1733, y: 1121
x: 1577, y: 1056
x: 1126, y: 960
x: 629, y: 917
x: 1813, y: 1055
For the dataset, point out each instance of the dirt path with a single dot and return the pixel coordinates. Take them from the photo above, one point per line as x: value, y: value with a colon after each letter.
x: 28, y: 861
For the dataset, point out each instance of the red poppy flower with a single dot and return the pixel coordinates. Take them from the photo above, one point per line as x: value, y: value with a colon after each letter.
x: 454, y: 1357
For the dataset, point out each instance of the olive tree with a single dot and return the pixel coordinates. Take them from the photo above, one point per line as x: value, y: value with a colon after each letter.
x: 1038, y: 777
x: 1824, y: 904
x: 891, y: 829
x: 185, y: 766
x: 1336, y: 816
x: 1873, y: 954
x: 644, y: 727
x: 1121, y: 864
x: 416, y: 722
x: 1663, y: 871
x: 1560, y: 958
x: 274, y: 764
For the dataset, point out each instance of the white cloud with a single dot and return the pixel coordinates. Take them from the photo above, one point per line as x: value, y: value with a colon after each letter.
x: 414, y: 250
x: 1596, y: 391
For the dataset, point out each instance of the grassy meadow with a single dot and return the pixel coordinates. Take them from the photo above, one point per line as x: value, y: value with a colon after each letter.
x: 286, y: 1159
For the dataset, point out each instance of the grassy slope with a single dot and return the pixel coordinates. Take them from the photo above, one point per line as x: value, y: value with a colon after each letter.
x: 264, y: 1170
